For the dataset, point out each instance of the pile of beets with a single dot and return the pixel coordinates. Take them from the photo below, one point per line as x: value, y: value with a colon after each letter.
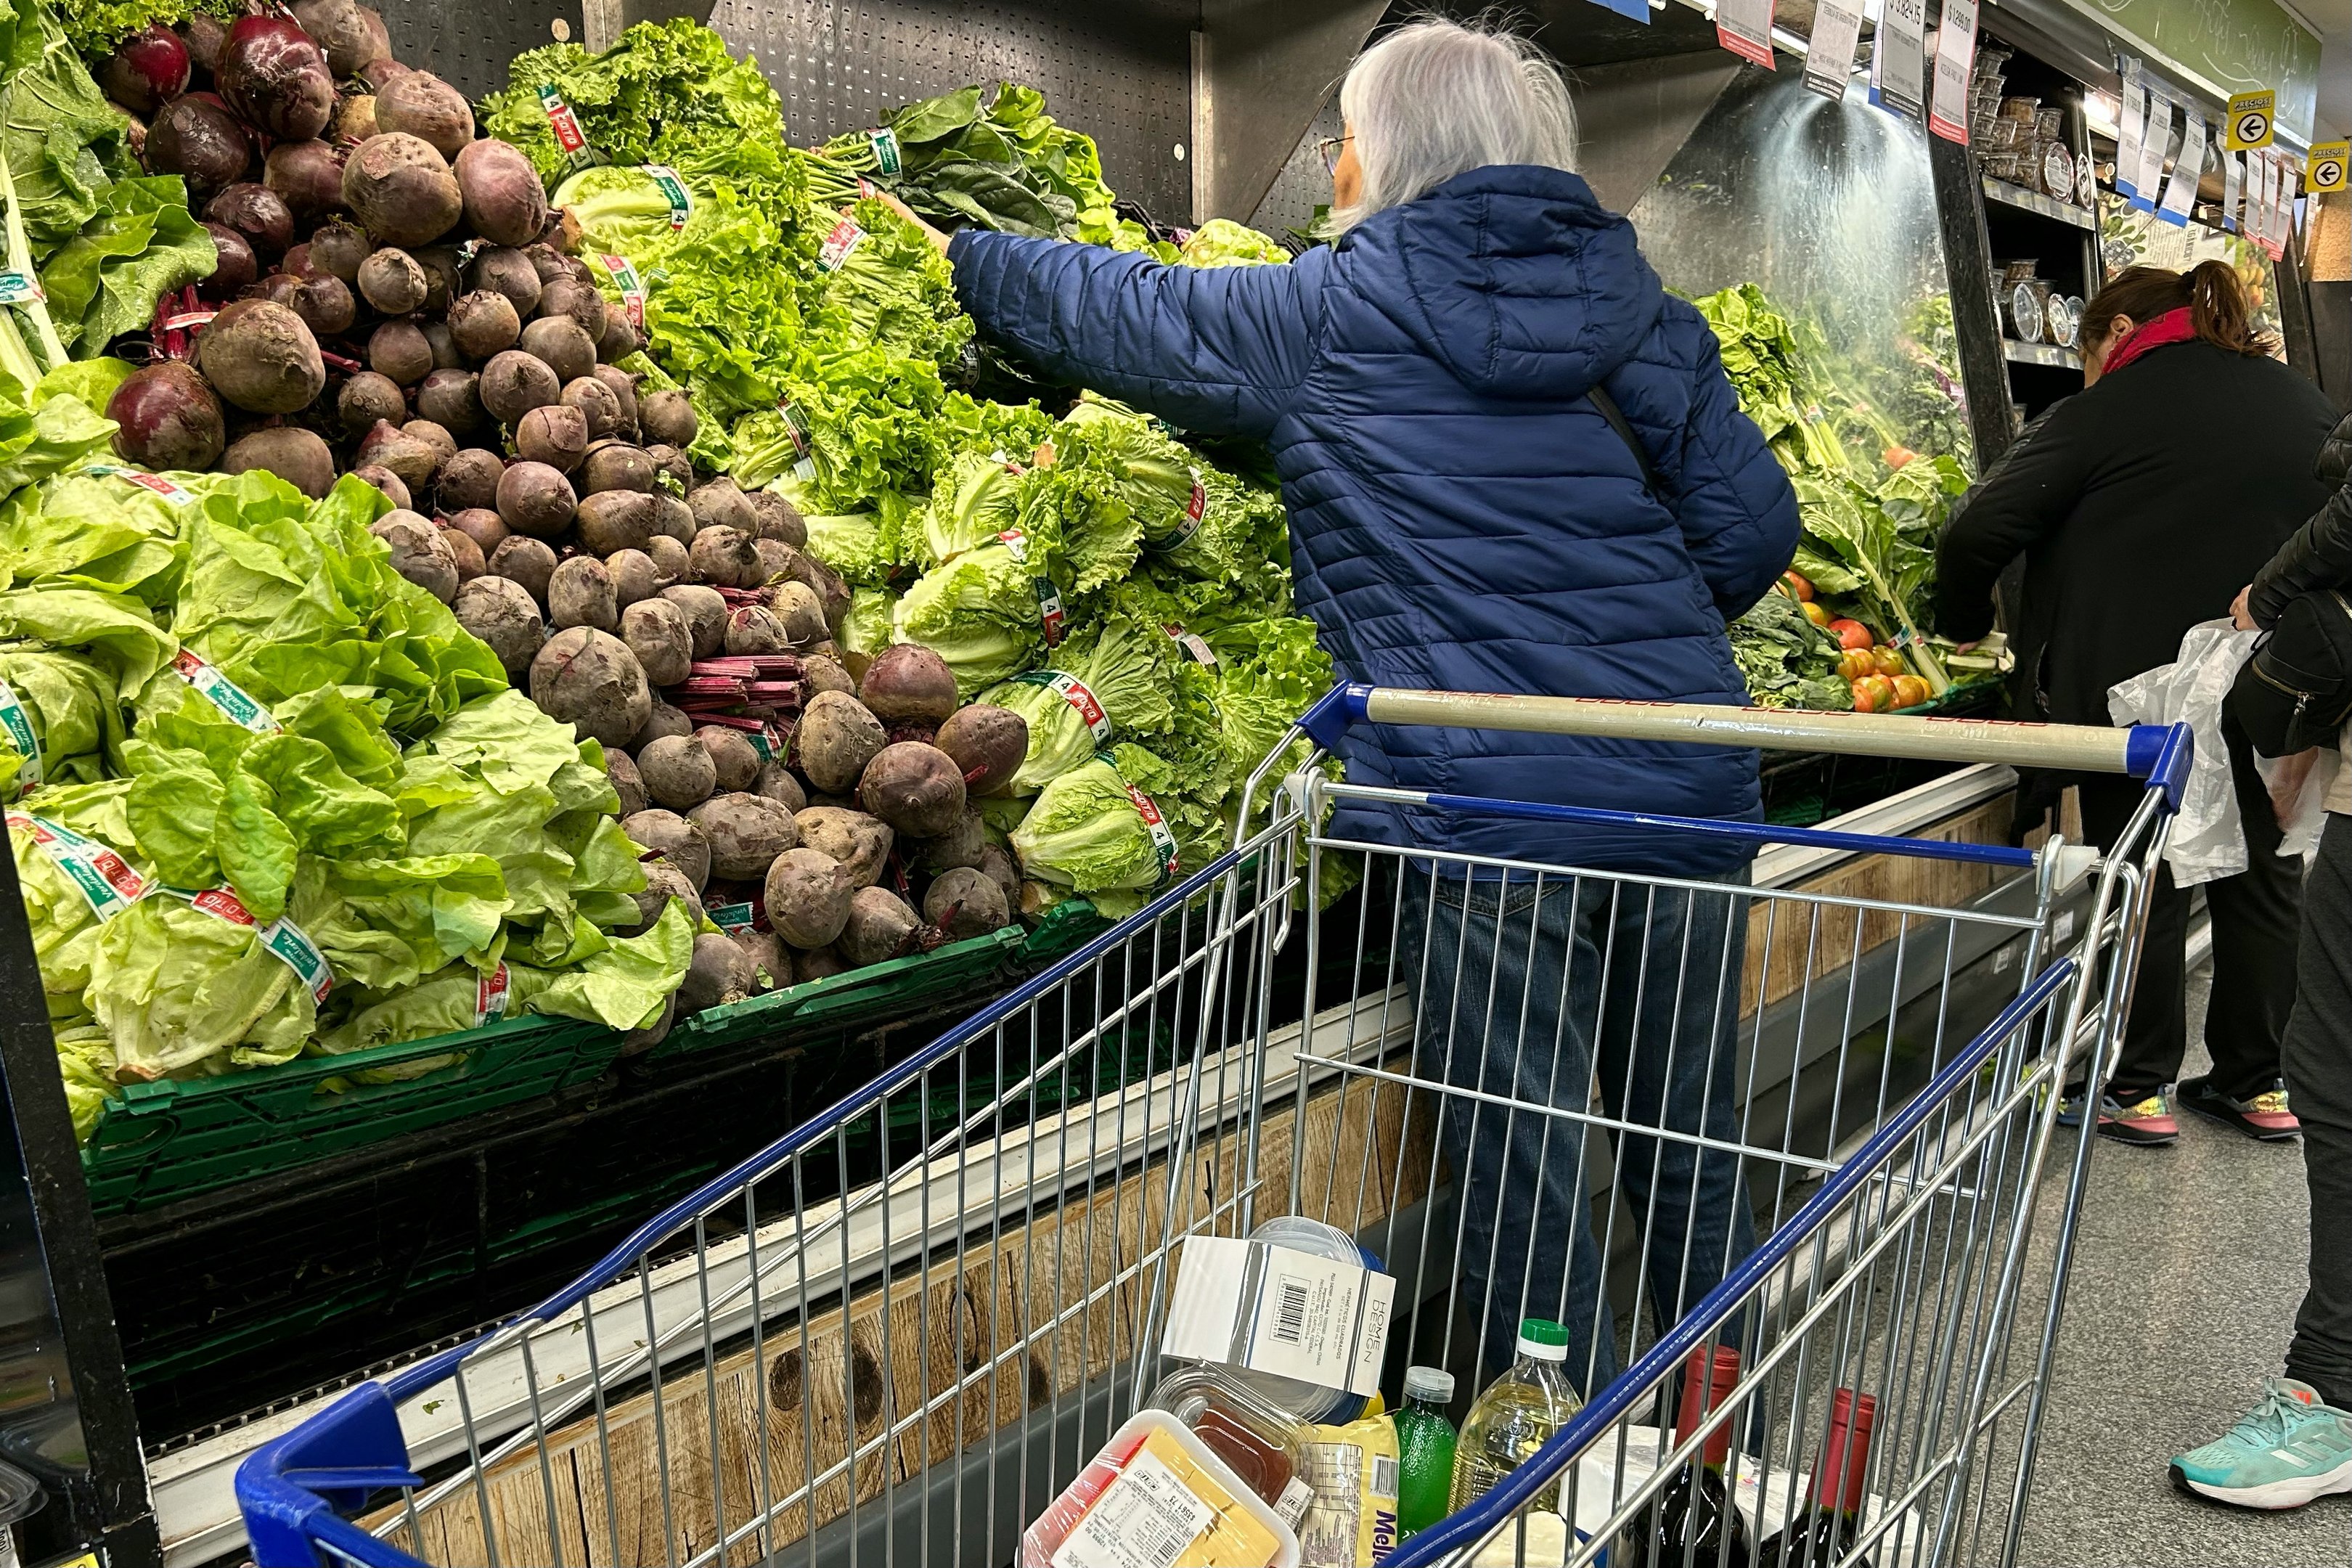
x: 395, y: 299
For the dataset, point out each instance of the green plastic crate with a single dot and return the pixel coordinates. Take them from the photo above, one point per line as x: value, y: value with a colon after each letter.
x: 161, y: 1142
x: 872, y: 995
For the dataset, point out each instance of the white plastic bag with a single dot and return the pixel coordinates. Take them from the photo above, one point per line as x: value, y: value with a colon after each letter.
x: 2299, y: 786
x: 2208, y: 841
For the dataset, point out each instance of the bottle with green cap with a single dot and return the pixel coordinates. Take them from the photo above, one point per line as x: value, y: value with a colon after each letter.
x: 1424, y: 1449
x: 1519, y: 1411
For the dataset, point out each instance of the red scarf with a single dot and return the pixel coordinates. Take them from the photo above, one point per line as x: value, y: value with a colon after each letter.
x: 2172, y: 327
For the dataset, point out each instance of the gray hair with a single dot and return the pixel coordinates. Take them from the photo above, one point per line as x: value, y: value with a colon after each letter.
x: 1436, y: 99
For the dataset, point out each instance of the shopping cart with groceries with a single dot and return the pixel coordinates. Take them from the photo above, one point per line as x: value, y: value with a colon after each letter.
x: 1757, y: 1183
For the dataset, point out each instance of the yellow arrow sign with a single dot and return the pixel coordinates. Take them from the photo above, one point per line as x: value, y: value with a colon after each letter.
x: 2250, y: 122
x: 2328, y: 160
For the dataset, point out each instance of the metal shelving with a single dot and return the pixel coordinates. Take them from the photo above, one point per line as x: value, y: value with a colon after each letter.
x: 2035, y: 202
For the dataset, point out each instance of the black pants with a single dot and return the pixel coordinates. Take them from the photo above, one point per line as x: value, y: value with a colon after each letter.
x: 2317, y: 1055
x: 2255, y: 920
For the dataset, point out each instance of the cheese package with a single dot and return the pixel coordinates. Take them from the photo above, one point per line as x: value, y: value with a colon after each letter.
x: 1156, y: 1497
x: 1352, y: 1521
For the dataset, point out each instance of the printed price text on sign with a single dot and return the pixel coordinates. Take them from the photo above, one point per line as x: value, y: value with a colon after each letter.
x: 2327, y: 166
x: 2249, y: 119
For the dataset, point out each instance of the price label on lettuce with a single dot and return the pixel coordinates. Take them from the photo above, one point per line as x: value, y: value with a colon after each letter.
x: 565, y: 124
x: 286, y: 941
x: 18, y: 726
x: 1193, y: 644
x: 1050, y: 613
x: 20, y: 288
x: 632, y: 286
x: 491, y: 994
x: 237, y: 704
x: 796, y: 430
x: 839, y: 244
x: 885, y: 143
x: 1196, y: 512
x: 143, y: 479
x: 673, y: 190
x: 1163, y: 841
x: 1074, y: 691
x: 769, y: 742
x: 103, y: 877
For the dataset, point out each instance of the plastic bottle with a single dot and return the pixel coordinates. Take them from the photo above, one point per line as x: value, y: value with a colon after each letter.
x: 1517, y: 1413
x: 1424, y: 1449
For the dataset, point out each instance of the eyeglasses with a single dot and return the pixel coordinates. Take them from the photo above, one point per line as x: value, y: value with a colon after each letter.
x: 1329, y: 147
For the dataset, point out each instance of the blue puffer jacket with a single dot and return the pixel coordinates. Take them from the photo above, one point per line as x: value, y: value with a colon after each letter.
x: 1461, y: 516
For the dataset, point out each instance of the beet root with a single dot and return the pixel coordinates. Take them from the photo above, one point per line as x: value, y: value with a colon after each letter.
x: 909, y: 684
x: 422, y: 105
x: 589, y: 679
x: 401, y: 189
x: 503, y: 614
x: 964, y: 903
x: 676, y: 840
x: 505, y: 202
x: 294, y: 454
x: 988, y: 742
x: 879, y: 926
x: 168, y: 418
x: 834, y: 740
x: 656, y: 632
x: 916, y: 789
x: 273, y: 77
x: 747, y: 832
x: 807, y: 896
x: 859, y: 842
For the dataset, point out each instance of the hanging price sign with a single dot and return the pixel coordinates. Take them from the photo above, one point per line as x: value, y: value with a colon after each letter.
x: 1744, y: 28
x: 2328, y: 164
x: 1898, y: 60
x: 1955, y: 53
x: 2250, y: 123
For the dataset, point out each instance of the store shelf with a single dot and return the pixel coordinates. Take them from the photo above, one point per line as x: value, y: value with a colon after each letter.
x: 2035, y: 202
x: 2040, y: 354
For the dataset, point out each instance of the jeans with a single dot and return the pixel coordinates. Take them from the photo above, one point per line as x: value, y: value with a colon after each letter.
x: 2256, y: 917
x: 2318, y: 1056
x: 1540, y: 994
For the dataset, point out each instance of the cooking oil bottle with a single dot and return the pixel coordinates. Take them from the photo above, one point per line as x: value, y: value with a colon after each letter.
x: 1516, y: 1415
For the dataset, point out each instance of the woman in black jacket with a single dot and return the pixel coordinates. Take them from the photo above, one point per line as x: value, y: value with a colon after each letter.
x: 2296, y: 1444
x: 2181, y: 468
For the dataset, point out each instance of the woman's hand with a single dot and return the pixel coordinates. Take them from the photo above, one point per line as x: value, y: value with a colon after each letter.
x: 938, y: 241
x: 2239, y: 615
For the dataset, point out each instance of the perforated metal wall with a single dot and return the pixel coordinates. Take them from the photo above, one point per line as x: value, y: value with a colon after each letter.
x: 468, y: 43
x: 1120, y: 72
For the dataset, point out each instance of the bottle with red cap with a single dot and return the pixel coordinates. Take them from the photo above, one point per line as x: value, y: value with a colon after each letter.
x: 1825, y: 1533
x: 1694, y: 1520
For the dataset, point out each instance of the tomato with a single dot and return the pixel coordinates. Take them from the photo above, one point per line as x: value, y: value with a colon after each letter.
x: 1797, y: 585
x: 1815, y: 613
x: 1854, y: 663
x: 1910, y: 690
x: 1889, y: 661
x: 1852, y: 634
x: 1874, y: 694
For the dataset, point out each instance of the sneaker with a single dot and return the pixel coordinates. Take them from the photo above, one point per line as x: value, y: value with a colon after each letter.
x: 2147, y: 1121
x: 2265, y: 1117
x: 2292, y: 1448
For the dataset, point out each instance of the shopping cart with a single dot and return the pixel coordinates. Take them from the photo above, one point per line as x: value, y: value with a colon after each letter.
x: 896, y: 1333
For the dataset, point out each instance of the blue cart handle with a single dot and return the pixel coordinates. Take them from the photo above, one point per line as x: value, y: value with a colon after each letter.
x: 2158, y: 753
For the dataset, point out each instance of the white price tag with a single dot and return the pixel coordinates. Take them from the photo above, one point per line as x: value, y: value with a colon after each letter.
x: 1313, y: 1319
x: 2154, y: 142
x: 1744, y: 28
x: 2131, y: 126
x: 1829, y: 59
x: 1955, y: 53
x: 2233, y: 176
x: 2181, y: 191
x: 1898, y: 58
x: 1144, y: 1519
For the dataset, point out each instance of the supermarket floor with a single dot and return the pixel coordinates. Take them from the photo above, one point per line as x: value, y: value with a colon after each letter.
x: 2183, y: 1298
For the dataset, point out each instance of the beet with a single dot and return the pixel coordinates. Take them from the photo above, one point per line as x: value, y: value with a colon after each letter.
x: 195, y: 137
x: 732, y: 753
x: 307, y: 177
x: 552, y: 434
x: 989, y: 743
x: 451, y: 399
x: 394, y: 488
x: 676, y: 840
x: 400, y: 351
x: 368, y: 398
x: 419, y: 552
x: 470, y: 480
x: 354, y: 119
x: 779, y: 518
x: 835, y: 739
x: 669, y: 556
x: 505, y: 270
x: 382, y: 69
x: 634, y: 579
x: 622, y: 769
x: 614, y: 519
x: 960, y: 846
x: 820, y: 673
x: 668, y: 416
x: 617, y: 465
x: 339, y: 248
x: 477, y: 523
x: 234, y: 266
x: 468, y: 554
x: 436, y: 338
x: 677, y: 771
x: 294, y: 454
x: 325, y: 305
x: 401, y: 189
x: 794, y: 605
x: 388, y: 446
x: 661, y: 719
x: 580, y: 302
x: 147, y: 70
x: 674, y: 522
x: 169, y: 419
x: 256, y: 212
x: 515, y: 382
x: 580, y: 593
x: 916, y: 789
x: 718, y: 973
x: 597, y: 406
x: 275, y: 79
x: 909, y: 684
x: 441, y: 275
x: 350, y: 33
x: 562, y: 344
x: 260, y: 357
x: 589, y: 679
x: 202, y: 35
x: 807, y: 896
x: 526, y: 562
x: 965, y: 902
x: 484, y: 322
x: 722, y: 504
x: 747, y: 832
x: 880, y: 926
x: 506, y: 202
x: 706, y: 614
x: 535, y: 498
x: 422, y: 105
x: 754, y: 629
x: 392, y: 281
x: 861, y: 843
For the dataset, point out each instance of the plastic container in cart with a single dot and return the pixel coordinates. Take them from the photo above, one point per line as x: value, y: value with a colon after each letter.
x: 1161, y: 1492
x: 1307, y: 1401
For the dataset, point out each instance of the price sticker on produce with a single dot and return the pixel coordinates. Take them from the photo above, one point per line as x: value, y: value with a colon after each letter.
x: 2329, y: 164
x: 885, y: 143
x: 20, y: 288
x: 797, y: 431
x: 143, y: 479
x: 632, y: 287
x: 1074, y: 691
x: 564, y: 124
x: 2250, y: 123
x: 839, y: 244
x: 19, y: 727
x: 733, y: 919
x: 237, y: 704
x: 673, y: 190
x: 490, y: 995
x: 287, y: 942
x: 101, y: 875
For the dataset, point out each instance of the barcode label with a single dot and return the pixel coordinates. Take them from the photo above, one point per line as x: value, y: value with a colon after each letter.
x: 1384, y: 1475
x: 1144, y: 1519
x: 1290, y: 1318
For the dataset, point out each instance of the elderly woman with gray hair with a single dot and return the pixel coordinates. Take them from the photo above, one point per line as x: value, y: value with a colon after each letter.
x: 1512, y: 463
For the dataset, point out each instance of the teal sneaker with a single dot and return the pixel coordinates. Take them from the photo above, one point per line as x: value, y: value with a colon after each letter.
x: 2285, y: 1451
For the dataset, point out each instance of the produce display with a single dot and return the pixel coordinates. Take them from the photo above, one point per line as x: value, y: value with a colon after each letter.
x: 1873, y: 510
x: 575, y: 568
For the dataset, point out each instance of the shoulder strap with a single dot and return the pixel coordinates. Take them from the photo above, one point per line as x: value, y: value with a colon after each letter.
x: 1600, y: 399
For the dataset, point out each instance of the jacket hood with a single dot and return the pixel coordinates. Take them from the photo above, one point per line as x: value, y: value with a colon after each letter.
x: 1513, y: 277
